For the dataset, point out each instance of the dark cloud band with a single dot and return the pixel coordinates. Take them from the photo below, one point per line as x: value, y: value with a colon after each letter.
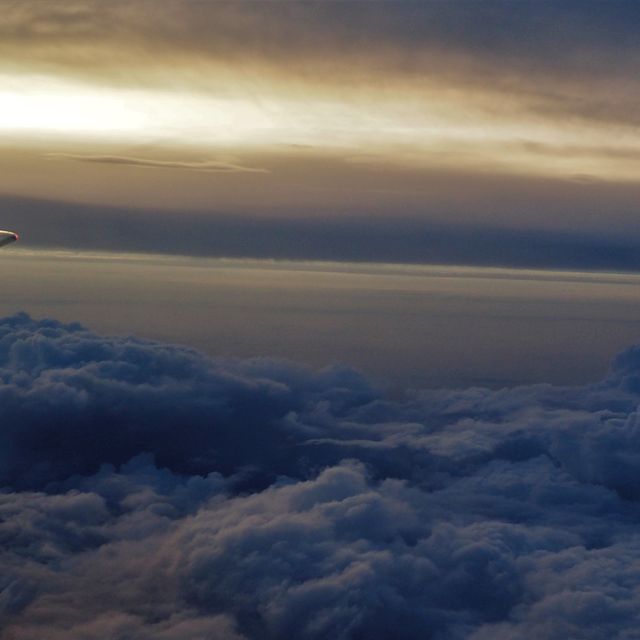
x: 405, y: 238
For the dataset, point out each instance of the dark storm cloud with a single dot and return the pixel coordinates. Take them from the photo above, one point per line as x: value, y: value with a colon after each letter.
x: 214, y: 166
x: 151, y: 492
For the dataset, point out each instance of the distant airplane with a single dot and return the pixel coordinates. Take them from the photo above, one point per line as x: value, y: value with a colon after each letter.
x: 7, y: 237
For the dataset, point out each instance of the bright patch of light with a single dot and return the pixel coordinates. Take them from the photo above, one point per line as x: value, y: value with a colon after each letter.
x: 414, y: 130
x: 38, y: 105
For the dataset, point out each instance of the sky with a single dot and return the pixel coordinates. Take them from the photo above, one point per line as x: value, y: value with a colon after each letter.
x: 323, y: 322
x: 503, y: 123
x: 403, y: 326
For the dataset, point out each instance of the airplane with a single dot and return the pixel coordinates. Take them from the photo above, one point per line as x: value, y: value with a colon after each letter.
x: 7, y: 237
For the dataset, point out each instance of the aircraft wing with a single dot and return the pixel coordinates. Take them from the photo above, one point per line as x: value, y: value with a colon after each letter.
x: 7, y: 237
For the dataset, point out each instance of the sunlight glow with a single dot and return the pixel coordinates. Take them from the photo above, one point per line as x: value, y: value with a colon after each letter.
x: 413, y: 132
x: 39, y: 105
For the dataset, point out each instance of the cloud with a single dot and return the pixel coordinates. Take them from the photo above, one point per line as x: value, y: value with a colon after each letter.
x: 401, y: 237
x: 545, y: 59
x: 152, y: 492
x: 446, y: 84
x: 317, y: 29
x: 215, y: 166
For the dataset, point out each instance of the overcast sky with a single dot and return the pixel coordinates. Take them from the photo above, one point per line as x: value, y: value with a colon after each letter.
x: 516, y: 117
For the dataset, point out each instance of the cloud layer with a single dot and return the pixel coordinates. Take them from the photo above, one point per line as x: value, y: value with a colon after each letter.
x: 400, y: 239
x: 151, y: 492
x: 558, y: 39
x: 546, y: 90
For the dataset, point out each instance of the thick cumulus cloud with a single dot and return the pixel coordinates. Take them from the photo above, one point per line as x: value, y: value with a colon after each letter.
x: 151, y: 492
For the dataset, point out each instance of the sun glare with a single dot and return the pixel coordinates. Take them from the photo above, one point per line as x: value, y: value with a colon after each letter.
x: 36, y: 106
x: 413, y: 132
x: 41, y: 106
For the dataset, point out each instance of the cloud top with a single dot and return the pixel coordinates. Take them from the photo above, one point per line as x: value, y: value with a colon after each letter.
x: 152, y: 492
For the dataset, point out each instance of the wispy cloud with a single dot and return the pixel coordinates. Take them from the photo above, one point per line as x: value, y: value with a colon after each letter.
x: 214, y: 166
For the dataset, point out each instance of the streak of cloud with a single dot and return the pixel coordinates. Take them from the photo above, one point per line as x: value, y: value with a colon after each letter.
x: 214, y: 166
